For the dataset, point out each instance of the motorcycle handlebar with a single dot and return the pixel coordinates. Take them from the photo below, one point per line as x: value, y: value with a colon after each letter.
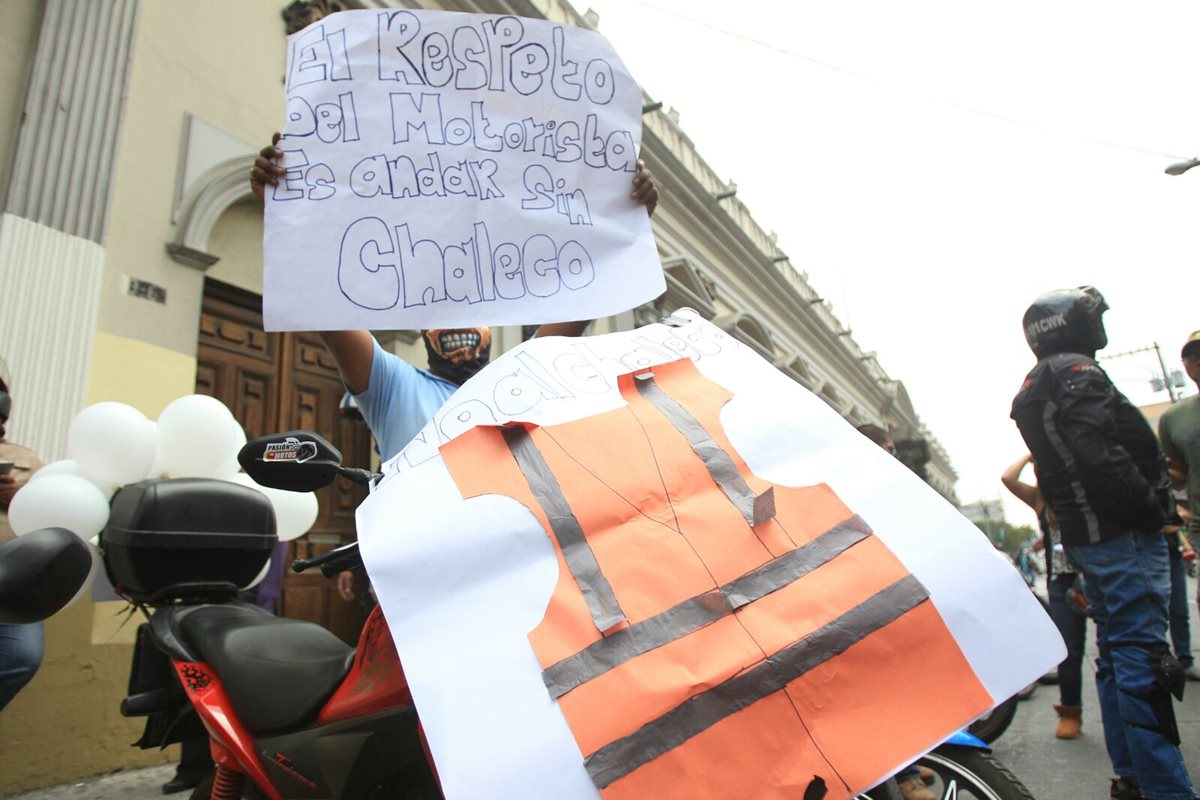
x: 362, y: 477
x: 337, y: 560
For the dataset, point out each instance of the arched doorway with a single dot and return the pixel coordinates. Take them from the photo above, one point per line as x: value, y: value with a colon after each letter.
x: 270, y: 381
x: 283, y: 381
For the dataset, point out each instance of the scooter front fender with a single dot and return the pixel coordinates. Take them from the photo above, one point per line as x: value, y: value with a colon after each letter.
x: 964, y: 739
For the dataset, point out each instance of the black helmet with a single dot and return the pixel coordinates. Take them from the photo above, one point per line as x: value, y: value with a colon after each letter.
x: 1066, y: 321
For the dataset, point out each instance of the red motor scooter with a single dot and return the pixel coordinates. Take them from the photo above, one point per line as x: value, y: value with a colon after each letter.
x: 289, y: 709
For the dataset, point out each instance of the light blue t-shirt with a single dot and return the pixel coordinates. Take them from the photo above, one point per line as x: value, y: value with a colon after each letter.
x: 399, y: 400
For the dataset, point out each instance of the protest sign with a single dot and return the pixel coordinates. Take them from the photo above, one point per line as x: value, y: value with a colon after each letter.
x: 648, y: 564
x: 452, y: 170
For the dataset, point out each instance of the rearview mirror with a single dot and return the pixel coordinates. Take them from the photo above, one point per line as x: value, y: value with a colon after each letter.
x: 40, y: 573
x: 296, y: 461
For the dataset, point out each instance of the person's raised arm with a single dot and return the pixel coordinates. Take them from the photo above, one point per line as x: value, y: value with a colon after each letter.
x: 1178, y: 472
x: 562, y: 329
x: 352, y: 350
x: 1027, y: 493
x: 645, y: 192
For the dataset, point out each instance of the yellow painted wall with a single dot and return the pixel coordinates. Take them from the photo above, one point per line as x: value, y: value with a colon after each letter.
x: 143, y: 375
x: 237, y: 240
x: 65, y: 724
x: 223, y: 61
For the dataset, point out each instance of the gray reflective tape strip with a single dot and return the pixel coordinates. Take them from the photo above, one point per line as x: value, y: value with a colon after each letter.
x: 620, y: 646
x: 694, y: 613
x: 1060, y: 447
x: 786, y: 569
x: 699, y: 713
x: 597, y: 593
x: 719, y: 464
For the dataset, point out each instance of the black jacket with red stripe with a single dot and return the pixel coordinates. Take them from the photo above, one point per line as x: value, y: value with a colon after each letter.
x: 1099, y: 465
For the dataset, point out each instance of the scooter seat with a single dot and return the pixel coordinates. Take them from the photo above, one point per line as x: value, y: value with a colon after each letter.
x: 277, y: 672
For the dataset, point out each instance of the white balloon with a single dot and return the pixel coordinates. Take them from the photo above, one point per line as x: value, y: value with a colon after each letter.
x: 196, y: 434
x: 231, y: 465
x: 87, y: 583
x: 262, y: 576
x: 243, y: 479
x: 59, y: 501
x: 156, y: 469
x: 69, y: 466
x: 295, y: 512
x: 112, y: 443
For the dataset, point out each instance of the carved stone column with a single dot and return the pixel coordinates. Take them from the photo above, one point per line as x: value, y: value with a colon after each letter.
x: 56, y: 210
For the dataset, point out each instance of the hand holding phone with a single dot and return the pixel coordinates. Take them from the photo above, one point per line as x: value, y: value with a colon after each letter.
x: 8, y: 483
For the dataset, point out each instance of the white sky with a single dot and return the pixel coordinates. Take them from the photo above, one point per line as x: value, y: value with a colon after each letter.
x: 927, y: 220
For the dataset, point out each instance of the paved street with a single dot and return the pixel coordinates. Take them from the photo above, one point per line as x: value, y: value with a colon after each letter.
x: 138, y: 784
x: 1052, y: 769
x: 1079, y: 770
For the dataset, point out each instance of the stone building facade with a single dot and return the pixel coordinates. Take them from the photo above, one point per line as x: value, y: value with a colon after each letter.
x: 130, y: 261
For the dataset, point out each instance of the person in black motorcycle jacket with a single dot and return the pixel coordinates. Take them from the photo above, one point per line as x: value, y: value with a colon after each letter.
x: 1101, y: 470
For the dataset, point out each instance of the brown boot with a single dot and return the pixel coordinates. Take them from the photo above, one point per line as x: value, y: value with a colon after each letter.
x: 1070, y: 722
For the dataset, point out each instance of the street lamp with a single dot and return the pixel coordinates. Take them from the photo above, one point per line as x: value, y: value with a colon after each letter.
x: 1181, y: 167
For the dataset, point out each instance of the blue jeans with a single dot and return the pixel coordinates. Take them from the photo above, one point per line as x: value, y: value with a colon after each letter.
x: 1072, y: 624
x: 20, y: 656
x: 1128, y: 585
x: 1181, y: 635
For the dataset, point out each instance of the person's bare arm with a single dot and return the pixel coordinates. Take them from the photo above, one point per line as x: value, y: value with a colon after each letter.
x: 345, y: 585
x: 8, y: 489
x: 1178, y: 472
x: 1027, y: 493
x: 352, y: 350
x: 562, y: 329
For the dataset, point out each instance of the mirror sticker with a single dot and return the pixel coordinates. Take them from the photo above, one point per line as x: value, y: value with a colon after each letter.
x: 290, y: 449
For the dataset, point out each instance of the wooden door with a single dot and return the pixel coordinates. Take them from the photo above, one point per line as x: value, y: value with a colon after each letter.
x: 276, y: 382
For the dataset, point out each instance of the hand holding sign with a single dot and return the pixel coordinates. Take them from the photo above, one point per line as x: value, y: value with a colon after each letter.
x: 454, y: 169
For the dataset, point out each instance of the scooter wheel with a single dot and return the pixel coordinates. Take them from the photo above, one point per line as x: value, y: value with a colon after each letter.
x: 969, y: 774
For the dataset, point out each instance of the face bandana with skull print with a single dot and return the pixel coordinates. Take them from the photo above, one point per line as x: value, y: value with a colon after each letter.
x: 457, y: 353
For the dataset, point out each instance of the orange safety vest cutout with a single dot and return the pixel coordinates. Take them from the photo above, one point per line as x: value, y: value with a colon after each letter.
x: 692, y: 653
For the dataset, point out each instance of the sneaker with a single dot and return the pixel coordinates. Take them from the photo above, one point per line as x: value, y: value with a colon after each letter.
x: 1125, y: 789
x: 915, y: 789
x: 1192, y: 673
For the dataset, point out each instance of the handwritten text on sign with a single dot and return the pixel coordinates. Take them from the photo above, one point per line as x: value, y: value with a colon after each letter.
x: 450, y: 169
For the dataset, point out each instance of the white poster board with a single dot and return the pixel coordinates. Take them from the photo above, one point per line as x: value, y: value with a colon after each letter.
x: 463, y: 582
x: 454, y: 170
